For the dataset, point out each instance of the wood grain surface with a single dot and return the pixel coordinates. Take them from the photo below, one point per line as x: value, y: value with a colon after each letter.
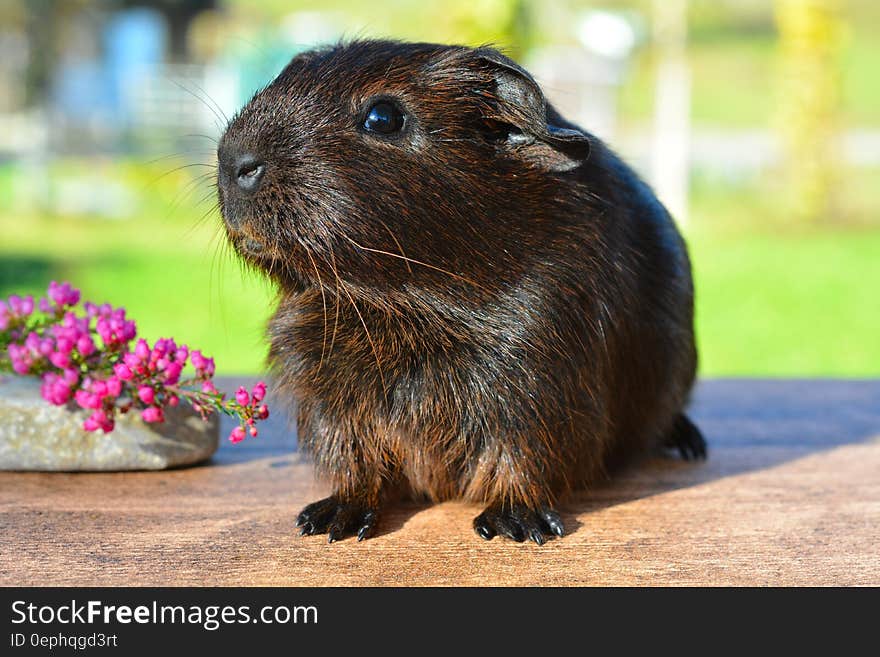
x: 790, y: 495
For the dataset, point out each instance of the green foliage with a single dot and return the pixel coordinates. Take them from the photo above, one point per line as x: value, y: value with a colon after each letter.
x: 784, y: 300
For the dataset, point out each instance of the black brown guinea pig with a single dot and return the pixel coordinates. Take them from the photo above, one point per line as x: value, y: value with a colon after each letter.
x: 477, y: 299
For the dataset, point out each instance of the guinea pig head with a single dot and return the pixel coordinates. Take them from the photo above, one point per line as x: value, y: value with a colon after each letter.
x: 389, y: 165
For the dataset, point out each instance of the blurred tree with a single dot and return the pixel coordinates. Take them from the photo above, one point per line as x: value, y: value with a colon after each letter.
x: 670, y: 166
x: 40, y: 27
x: 810, y: 33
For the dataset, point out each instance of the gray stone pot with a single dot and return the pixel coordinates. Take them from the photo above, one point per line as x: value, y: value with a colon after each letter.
x: 34, y: 435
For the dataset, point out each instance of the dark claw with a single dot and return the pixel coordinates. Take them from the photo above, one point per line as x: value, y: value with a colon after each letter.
x: 483, y: 529
x: 337, y: 518
x: 366, y: 529
x: 515, y: 533
x: 687, y: 439
x: 518, y: 523
x: 537, y: 536
x: 554, y: 522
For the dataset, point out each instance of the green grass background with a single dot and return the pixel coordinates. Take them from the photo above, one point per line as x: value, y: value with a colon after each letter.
x: 773, y: 299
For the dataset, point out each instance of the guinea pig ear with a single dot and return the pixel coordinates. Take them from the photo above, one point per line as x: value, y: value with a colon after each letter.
x: 522, y: 116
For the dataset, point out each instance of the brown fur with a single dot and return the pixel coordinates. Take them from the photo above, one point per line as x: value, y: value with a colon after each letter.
x: 489, y: 306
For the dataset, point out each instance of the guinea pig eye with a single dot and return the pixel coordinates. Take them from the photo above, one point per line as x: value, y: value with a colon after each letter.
x: 384, y: 118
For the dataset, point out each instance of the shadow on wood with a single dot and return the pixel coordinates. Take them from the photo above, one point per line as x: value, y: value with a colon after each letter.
x: 789, y: 495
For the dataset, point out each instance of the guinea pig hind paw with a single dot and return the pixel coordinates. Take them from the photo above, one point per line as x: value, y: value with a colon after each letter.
x: 338, y: 519
x: 687, y: 439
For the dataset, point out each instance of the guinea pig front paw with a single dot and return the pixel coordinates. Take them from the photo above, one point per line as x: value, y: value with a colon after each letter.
x: 519, y: 522
x: 338, y: 518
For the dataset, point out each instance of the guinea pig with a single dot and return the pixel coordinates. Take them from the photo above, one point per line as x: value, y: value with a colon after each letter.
x: 477, y: 299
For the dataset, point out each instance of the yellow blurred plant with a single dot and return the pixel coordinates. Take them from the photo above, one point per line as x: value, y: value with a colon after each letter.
x: 810, y: 37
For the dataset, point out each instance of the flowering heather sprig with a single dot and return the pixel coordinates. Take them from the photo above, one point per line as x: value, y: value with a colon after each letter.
x: 85, y: 357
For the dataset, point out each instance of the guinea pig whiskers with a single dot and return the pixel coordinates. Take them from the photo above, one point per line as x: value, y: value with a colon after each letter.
x: 180, y: 168
x: 369, y: 338
x: 181, y: 154
x: 213, y: 102
x: 215, y: 207
x: 336, y: 319
x: 273, y: 261
x: 198, y: 134
x: 220, y: 119
x: 324, y: 304
x: 194, y: 184
x: 221, y: 253
x: 397, y: 242
x: 416, y: 262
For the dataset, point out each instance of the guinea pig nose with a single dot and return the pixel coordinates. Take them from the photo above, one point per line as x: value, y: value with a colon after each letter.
x: 249, y: 172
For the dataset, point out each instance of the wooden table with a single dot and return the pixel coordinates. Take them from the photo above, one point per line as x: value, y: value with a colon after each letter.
x: 789, y: 496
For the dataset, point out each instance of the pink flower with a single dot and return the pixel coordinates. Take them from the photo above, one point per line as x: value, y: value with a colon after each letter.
x: 153, y: 414
x: 71, y: 377
x: 123, y: 371
x: 54, y: 389
x: 20, y: 357
x: 142, y: 350
x: 87, y: 399
x: 15, y: 304
x: 172, y: 372
x: 147, y: 395
x: 64, y: 345
x: 99, y: 420
x: 63, y: 294
x: 129, y: 331
x: 91, y: 354
x: 114, y: 386
x: 59, y: 360
x: 99, y: 388
x: 32, y: 342
x: 85, y: 346
x: 102, y: 326
x: 198, y: 360
x: 237, y: 435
